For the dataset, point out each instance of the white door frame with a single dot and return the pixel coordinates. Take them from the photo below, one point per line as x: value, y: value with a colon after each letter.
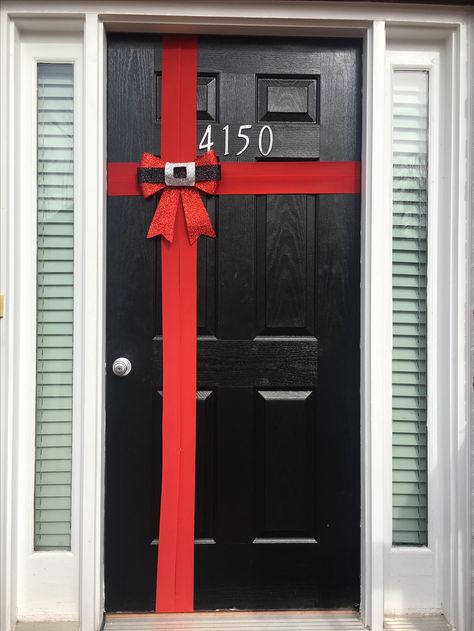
x: 284, y: 18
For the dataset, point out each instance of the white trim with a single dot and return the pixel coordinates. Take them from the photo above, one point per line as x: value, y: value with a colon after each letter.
x: 461, y: 386
x: 200, y: 16
x: 413, y: 575
x: 291, y: 18
x: 8, y: 96
x: 375, y: 333
x: 468, y: 604
x: 93, y: 352
x: 47, y: 581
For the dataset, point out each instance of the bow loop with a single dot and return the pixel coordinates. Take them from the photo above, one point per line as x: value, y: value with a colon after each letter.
x: 149, y: 165
x: 177, y: 183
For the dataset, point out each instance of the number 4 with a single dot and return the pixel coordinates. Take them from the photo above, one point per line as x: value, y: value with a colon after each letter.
x: 206, y: 141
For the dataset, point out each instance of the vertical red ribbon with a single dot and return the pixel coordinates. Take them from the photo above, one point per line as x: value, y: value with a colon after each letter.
x: 175, y: 573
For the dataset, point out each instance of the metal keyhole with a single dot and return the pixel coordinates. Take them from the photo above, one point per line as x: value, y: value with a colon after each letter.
x: 121, y: 367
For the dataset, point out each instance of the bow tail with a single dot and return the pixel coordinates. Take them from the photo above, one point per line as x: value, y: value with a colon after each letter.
x: 197, y: 219
x: 165, y: 215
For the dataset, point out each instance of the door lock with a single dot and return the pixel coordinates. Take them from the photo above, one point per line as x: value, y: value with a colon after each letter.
x: 121, y: 367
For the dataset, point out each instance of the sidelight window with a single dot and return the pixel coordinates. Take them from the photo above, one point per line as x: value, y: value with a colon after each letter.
x: 409, y: 305
x: 55, y: 294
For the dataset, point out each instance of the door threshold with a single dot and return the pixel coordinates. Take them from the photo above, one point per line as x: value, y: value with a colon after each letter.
x: 237, y: 621
x: 417, y: 623
x: 246, y: 621
x: 266, y: 621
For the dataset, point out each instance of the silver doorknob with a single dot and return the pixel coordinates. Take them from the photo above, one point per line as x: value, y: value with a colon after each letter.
x: 121, y: 367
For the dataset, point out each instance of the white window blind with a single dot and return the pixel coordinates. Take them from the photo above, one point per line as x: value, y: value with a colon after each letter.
x: 55, y: 287
x: 409, y: 437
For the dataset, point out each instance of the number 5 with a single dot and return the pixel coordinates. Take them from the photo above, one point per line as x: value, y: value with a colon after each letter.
x: 241, y: 135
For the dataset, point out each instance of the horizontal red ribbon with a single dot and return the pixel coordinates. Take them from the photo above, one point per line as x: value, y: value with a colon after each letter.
x: 258, y: 178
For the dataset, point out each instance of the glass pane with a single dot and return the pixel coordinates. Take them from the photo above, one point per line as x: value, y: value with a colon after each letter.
x: 409, y: 279
x: 55, y: 287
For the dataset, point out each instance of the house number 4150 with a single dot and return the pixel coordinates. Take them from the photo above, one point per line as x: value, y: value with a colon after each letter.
x: 265, y: 139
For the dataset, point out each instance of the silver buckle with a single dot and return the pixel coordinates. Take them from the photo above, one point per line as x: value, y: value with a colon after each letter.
x: 180, y: 173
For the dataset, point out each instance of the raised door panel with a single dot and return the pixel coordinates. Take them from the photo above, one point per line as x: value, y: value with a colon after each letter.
x: 285, y: 433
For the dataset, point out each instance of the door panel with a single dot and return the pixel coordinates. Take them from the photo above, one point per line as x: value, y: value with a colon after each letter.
x: 277, y: 480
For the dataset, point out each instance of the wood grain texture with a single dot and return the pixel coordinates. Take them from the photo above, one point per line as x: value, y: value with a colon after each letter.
x: 207, y: 97
x: 269, y: 55
x: 235, y: 460
x: 259, y: 363
x: 286, y: 237
x: 131, y: 103
x: 337, y: 322
x: 285, y: 434
x: 205, y: 463
x: 133, y: 405
x: 289, y: 100
x: 290, y: 139
x: 206, y: 277
x: 286, y: 265
x: 236, y: 245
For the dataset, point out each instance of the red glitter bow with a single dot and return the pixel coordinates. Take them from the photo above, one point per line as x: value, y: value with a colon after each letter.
x: 163, y: 222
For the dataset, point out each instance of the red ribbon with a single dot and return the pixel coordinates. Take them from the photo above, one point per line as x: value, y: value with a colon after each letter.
x: 197, y: 219
x: 175, y: 570
x: 258, y: 178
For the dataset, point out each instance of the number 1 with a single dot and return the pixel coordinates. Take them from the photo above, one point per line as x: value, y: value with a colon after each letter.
x: 226, y: 140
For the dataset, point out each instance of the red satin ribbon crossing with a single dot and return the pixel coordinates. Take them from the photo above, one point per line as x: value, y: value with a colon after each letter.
x: 175, y: 574
x: 258, y: 178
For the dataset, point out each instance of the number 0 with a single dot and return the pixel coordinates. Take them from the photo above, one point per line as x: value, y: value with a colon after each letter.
x: 270, y: 140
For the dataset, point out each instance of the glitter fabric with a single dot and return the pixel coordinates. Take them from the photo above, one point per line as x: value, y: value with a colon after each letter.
x: 197, y: 219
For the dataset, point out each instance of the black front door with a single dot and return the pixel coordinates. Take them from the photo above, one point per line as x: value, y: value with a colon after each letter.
x: 277, y: 480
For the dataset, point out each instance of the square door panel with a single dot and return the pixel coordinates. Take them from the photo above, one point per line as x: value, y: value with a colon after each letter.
x: 206, y: 97
x: 287, y: 100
